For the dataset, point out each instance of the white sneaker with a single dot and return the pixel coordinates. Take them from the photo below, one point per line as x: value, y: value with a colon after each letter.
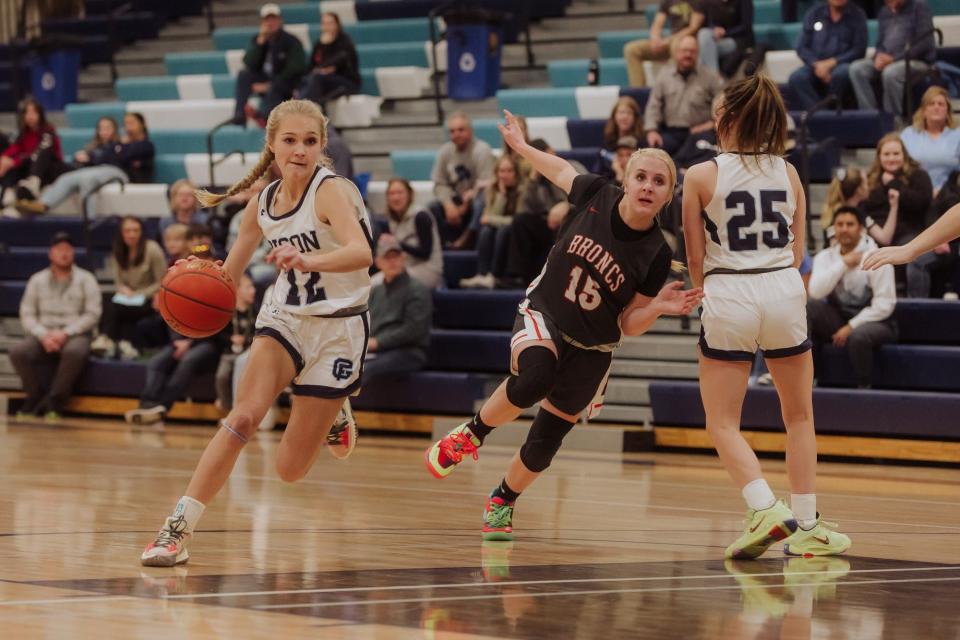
x: 127, y: 350
x: 343, y: 434
x: 479, y: 281
x: 169, y: 548
x: 145, y: 416
x: 103, y: 346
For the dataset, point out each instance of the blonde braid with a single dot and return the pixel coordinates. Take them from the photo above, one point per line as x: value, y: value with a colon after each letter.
x: 208, y: 199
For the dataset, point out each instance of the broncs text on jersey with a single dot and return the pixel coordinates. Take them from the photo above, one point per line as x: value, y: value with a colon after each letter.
x: 600, y: 258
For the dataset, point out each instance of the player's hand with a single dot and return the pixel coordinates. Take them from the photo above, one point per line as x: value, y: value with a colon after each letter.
x: 942, y: 249
x: 841, y: 336
x: 191, y: 258
x: 512, y: 132
x: 887, y: 255
x: 287, y: 257
x: 893, y: 198
x: 674, y: 300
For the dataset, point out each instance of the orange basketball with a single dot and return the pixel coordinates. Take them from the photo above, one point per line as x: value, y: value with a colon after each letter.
x: 197, y: 298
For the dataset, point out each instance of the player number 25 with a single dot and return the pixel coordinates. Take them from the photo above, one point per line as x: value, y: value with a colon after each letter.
x: 589, y: 297
x: 746, y: 203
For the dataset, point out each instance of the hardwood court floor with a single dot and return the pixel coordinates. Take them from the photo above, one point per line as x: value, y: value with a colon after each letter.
x: 607, y: 546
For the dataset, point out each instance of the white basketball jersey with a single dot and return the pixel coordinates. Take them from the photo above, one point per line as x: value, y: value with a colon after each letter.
x: 748, y: 220
x: 313, y: 293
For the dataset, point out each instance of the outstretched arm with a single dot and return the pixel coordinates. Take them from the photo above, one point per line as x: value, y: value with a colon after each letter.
x: 672, y: 300
x: 943, y: 230
x: 555, y: 169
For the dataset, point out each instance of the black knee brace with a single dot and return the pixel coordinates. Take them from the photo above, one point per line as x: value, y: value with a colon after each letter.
x: 537, y: 373
x: 544, y: 440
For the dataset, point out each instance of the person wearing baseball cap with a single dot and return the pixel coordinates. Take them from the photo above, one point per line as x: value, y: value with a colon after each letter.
x: 59, y: 311
x: 624, y: 148
x: 401, y: 309
x: 272, y: 67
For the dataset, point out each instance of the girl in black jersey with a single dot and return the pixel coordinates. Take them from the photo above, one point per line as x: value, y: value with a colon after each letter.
x: 604, y: 278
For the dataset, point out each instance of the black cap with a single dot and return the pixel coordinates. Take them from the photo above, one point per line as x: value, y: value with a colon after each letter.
x: 61, y: 236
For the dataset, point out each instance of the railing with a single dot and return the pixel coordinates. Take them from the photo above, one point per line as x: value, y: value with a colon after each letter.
x: 212, y: 164
x: 803, y: 143
x: 434, y: 40
x: 85, y: 212
x: 907, y: 83
x: 208, y: 9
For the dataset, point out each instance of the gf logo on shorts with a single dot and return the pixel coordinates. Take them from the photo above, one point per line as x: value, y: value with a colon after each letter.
x: 342, y: 369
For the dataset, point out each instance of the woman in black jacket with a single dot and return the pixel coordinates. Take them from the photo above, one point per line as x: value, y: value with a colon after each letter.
x: 896, y: 175
x: 726, y: 34
x: 334, y: 66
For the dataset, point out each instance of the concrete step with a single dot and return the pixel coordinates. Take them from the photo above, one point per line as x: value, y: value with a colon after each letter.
x: 628, y: 391
x: 10, y: 382
x: 658, y: 347
x: 6, y: 367
x: 625, y: 414
x: 652, y: 369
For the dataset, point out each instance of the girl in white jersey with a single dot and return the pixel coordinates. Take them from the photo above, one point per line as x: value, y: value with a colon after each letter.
x: 311, y: 334
x: 743, y: 220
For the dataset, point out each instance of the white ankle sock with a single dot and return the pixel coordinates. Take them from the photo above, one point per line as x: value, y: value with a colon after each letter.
x: 804, y: 506
x: 190, y: 509
x: 758, y: 495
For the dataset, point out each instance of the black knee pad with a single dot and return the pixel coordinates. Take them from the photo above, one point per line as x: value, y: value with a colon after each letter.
x: 537, y: 373
x: 544, y: 440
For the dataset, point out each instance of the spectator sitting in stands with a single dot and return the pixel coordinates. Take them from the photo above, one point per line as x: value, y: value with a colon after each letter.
x: 834, y: 36
x: 896, y: 180
x: 138, y: 266
x: 200, y: 241
x: 533, y: 230
x: 184, y: 208
x: 35, y: 158
x: 727, y: 30
x: 334, y: 66
x: 618, y: 164
x: 932, y: 140
x: 400, y: 312
x: 416, y: 232
x: 679, y: 112
x: 241, y: 337
x: 685, y: 18
x: 175, y: 243
x: 464, y: 165
x: 900, y: 22
x: 504, y: 199
x: 849, y: 188
x: 59, y: 310
x: 105, y: 160
x: 625, y: 120
x: 272, y: 67
x: 850, y: 307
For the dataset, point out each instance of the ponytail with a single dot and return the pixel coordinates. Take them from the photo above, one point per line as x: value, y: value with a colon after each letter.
x: 208, y: 200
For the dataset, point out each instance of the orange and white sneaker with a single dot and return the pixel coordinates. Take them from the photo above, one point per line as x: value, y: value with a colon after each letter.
x: 169, y: 549
x: 343, y: 434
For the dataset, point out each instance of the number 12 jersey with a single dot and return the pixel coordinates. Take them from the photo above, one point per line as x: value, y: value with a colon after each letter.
x: 313, y: 293
x: 749, y: 217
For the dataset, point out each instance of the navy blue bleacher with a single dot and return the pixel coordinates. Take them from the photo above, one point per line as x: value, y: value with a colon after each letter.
x: 103, y: 377
x: 448, y: 392
x: 919, y: 414
x: 475, y: 309
x: 469, y: 350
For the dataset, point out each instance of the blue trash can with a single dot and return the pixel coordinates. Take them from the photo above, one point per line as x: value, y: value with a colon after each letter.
x: 53, y: 78
x: 473, y: 60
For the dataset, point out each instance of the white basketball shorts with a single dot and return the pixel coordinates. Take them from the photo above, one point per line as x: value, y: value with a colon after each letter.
x: 744, y: 312
x: 327, y: 352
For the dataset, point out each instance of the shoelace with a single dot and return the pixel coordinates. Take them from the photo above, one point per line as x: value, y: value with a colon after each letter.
x: 456, y: 445
x: 499, y: 515
x: 172, y: 532
x: 336, y: 431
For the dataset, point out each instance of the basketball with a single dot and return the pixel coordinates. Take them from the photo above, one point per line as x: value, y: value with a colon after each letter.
x: 196, y: 298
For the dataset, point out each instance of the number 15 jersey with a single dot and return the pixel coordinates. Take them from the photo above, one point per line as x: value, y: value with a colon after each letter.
x: 749, y: 217
x: 313, y: 293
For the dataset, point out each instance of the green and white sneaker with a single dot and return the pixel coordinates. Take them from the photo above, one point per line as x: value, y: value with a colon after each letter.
x: 447, y: 452
x: 761, y: 530
x: 822, y: 540
x: 498, y: 519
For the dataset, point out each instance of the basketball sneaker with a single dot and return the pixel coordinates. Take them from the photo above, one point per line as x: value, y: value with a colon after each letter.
x: 343, y: 434
x: 145, y: 416
x: 169, y: 548
x: 447, y: 452
x: 498, y: 519
x: 822, y: 540
x: 761, y: 530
